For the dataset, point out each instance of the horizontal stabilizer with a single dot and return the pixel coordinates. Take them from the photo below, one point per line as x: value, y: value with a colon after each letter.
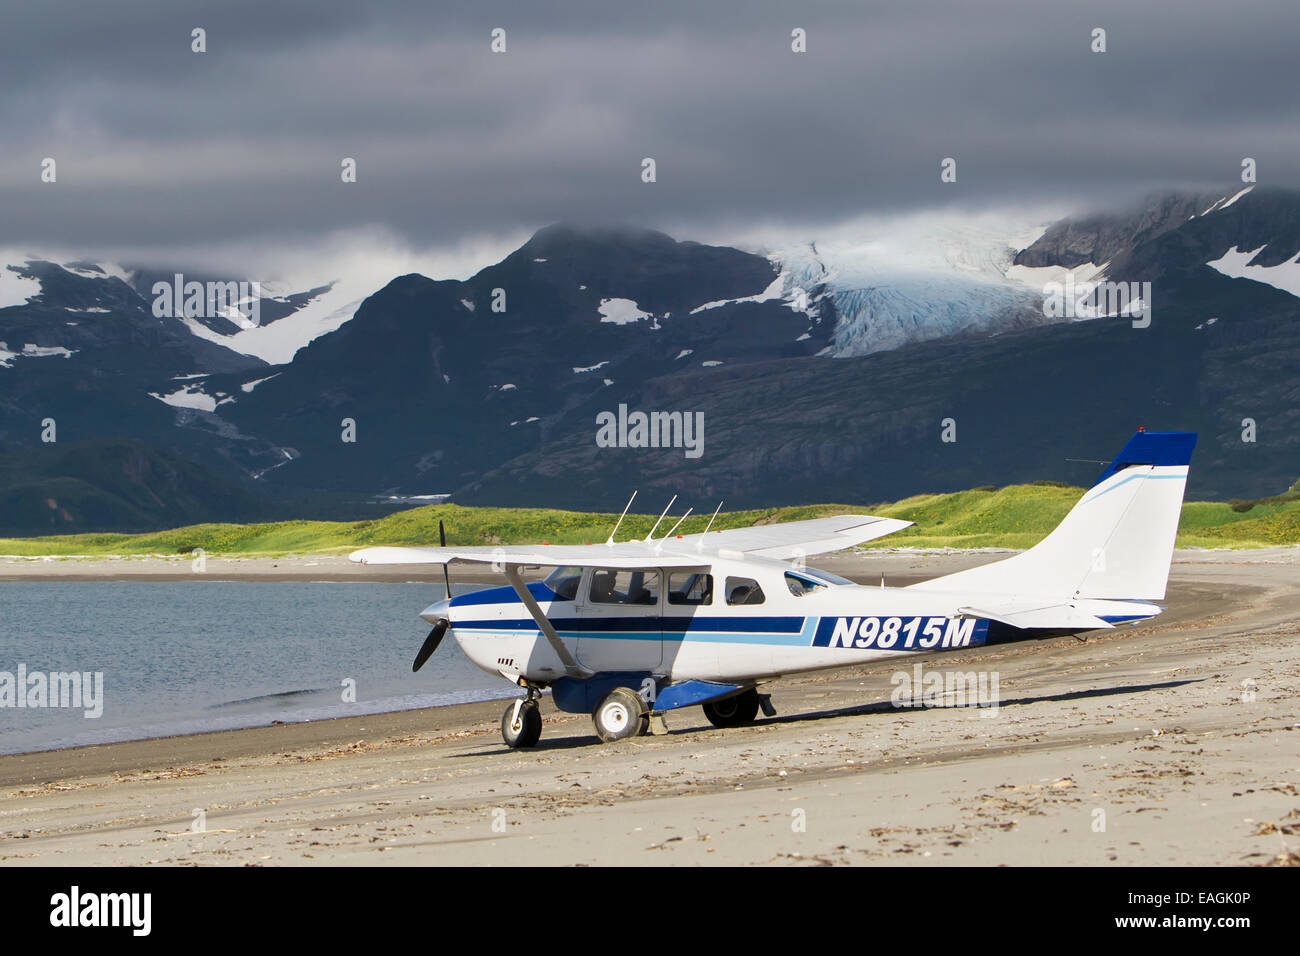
x: 1026, y: 615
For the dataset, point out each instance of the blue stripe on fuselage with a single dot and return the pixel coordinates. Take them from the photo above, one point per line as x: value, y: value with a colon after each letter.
x: 503, y: 595
x: 728, y: 630
x: 781, y: 625
x: 770, y: 631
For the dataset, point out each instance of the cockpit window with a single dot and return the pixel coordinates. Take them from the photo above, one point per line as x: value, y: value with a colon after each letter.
x: 609, y: 586
x: 744, y: 591
x: 564, y: 582
x: 694, y: 588
x: 799, y: 585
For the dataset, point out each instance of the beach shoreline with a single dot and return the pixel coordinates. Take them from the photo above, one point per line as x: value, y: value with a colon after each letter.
x: 1180, y: 732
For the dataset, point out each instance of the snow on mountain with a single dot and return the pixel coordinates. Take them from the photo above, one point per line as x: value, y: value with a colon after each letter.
x: 274, y: 342
x: 1225, y: 202
x: 1039, y: 276
x: 1236, y: 265
x: 249, y: 386
x: 100, y: 270
x: 1247, y: 233
x: 353, y: 266
x: 188, y: 396
x: 31, y: 351
x: 299, y: 300
x: 774, y: 290
x: 915, y: 278
x: 16, y: 289
x: 277, y: 342
x: 621, y: 312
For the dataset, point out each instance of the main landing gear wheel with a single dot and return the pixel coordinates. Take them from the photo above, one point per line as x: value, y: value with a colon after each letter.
x: 621, y: 713
x: 733, y: 711
x: 521, y: 724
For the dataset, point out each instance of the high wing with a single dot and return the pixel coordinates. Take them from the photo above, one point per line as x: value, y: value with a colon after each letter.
x: 792, y: 539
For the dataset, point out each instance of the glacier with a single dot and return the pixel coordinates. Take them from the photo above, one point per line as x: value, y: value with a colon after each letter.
x: 915, y: 278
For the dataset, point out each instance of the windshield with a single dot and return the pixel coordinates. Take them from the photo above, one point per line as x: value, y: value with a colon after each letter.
x: 825, y: 576
x: 799, y: 585
x: 564, y: 582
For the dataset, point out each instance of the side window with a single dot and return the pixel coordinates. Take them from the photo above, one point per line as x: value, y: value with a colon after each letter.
x: 638, y: 588
x: 692, y: 588
x: 744, y: 591
x: 799, y: 586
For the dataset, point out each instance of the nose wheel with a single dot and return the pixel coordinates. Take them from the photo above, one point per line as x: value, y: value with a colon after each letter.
x: 521, y: 724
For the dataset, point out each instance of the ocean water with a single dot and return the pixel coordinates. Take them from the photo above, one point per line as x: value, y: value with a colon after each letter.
x: 189, y: 656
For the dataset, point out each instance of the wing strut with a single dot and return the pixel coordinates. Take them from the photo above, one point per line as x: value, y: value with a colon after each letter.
x: 571, y: 667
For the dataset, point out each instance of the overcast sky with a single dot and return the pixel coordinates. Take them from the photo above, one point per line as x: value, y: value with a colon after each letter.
x: 463, y: 151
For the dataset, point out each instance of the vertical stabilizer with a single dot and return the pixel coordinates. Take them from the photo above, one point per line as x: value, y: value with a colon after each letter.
x: 1117, y: 542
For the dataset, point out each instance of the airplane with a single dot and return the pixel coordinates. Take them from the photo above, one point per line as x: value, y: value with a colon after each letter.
x: 629, y: 629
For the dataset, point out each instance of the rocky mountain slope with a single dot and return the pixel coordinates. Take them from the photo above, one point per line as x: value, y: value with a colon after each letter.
x: 822, y: 372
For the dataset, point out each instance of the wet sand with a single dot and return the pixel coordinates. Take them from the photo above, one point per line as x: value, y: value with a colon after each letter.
x: 1176, y: 742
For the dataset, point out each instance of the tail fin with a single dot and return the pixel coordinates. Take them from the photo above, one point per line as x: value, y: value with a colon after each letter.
x: 1118, y: 540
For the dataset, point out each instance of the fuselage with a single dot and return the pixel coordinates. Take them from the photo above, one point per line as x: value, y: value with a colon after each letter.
x: 732, y: 622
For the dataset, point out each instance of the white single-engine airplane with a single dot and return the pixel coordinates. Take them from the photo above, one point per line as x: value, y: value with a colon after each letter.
x: 621, y: 630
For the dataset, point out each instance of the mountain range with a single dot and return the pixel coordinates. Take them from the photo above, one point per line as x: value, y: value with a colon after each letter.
x: 822, y: 369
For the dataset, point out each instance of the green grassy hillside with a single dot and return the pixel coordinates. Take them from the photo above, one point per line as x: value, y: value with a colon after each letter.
x: 1012, y: 517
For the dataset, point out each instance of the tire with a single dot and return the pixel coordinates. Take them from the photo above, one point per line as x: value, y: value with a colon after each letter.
x: 621, y: 713
x: 529, y: 729
x: 733, y: 711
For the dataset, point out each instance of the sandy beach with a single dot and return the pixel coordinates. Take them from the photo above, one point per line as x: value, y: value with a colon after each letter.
x: 1176, y: 742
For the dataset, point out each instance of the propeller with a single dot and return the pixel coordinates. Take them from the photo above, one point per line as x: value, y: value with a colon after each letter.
x: 440, y: 626
x: 442, y: 543
x: 430, y: 643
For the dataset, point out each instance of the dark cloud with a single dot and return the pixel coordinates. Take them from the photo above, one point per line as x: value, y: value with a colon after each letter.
x: 157, y: 145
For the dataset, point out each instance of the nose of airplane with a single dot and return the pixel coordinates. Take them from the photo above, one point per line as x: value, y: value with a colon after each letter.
x: 433, y: 612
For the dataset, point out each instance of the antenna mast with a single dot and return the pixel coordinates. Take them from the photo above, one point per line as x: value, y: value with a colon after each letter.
x: 610, y: 539
x: 661, y: 518
x: 674, y: 528
x: 699, y: 545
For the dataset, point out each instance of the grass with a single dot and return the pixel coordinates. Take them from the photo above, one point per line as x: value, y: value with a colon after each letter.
x: 1013, y: 517
x: 1022, y: 515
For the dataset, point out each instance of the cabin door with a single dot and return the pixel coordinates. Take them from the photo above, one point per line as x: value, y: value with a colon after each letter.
x: 619, y: 627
